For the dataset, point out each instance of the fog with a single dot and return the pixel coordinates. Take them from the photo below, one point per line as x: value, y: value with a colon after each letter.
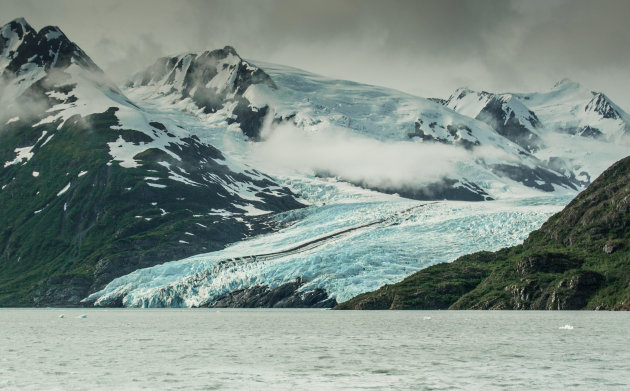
x: 337, y: 152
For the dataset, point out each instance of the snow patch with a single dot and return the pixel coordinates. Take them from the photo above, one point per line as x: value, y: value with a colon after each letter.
x: 64, y: 189
x: 23, y: 153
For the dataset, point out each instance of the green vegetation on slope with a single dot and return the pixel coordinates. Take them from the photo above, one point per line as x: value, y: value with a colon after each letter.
x: 57, y: 246
x: 578, y: 259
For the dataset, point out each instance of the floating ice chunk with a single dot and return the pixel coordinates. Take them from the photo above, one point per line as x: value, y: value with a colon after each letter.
x: 566, y: 327
x: 62, y: 316
x: 183, y: 242
x: 82, y: 173
x: 156, y: 185
x: 426, y: 318
x: 12, y: 120
x: 82, y: 316
x: 35, y: 174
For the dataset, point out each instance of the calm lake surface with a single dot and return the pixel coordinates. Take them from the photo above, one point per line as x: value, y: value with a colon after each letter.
x: 119, y: 349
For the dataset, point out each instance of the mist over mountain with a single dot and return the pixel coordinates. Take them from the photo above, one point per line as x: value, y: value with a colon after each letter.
x: 208, y: 179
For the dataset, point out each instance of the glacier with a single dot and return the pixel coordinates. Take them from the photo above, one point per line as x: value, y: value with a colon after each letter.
x: 348, y: 240
x: 261, y: 139
x: 345, y: 248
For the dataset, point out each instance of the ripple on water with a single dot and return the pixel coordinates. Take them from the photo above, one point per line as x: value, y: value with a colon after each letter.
x: 286, y: 350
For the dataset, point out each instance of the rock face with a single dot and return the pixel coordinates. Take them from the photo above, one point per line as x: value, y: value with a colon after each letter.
x: 284, y: 296
x: 601, y: 105
x: 49, y: 48
x: 214, y: 80
x: 503, y: 112
x: 578, y: 259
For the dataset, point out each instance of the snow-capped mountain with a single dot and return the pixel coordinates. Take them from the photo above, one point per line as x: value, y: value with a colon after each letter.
x: 331, y: 252
x: 314, y: 104
x: 503, y: 112
x: 102, y: 186
x: 98, y: 186
x: 208, y: 82
x: 22, y: 50
x: 571, y: 108
x: 574, y: 130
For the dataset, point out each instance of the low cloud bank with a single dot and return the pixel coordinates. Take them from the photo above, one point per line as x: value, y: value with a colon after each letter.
x: 341, y: 153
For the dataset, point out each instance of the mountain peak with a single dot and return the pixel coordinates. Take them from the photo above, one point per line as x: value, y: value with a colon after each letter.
x: 230, y: 49
x: 603, y: 106
x: 22, y: 47
x: 51, y: 32
x: 17, y: 28
x: 18, y: 22
x: 566, y: 83
x: 12, y: 35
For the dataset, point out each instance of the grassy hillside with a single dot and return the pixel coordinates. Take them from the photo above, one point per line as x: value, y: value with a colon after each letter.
x: 73, y: 220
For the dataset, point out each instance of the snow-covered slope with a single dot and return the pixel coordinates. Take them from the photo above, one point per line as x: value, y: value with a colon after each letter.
x: 503, y: 112
x: 570, y: 128
x: 47, y: 68
x: 322, y: 107
x: 571, y: 108
x: 207, y: 82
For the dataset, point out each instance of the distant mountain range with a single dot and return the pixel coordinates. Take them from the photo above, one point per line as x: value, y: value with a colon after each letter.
x: 95, y: 184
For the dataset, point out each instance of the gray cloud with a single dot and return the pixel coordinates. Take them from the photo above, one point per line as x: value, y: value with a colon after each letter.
x: 428, y: 48
x: 339, y: 153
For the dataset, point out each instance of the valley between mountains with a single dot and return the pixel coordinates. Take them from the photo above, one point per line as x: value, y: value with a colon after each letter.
x: 212, y: 180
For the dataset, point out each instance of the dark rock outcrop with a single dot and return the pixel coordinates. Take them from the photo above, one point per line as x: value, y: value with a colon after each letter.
x: 213, y: 80
x: 284, y: 296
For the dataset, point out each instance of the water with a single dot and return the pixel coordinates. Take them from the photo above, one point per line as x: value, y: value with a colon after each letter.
x: 312, y: 350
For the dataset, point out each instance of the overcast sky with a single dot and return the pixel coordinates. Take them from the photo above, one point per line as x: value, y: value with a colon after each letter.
x: 427, y: 48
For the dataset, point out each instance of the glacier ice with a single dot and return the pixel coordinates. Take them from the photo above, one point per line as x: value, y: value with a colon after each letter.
x: 386, y: 241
